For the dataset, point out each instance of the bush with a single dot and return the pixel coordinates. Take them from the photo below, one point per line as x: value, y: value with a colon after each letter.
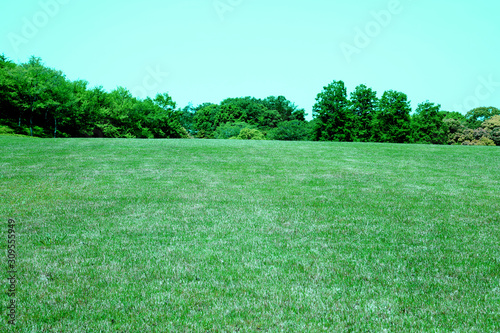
x: 230, y: 130
x: 492, y: 122
x: 484, y: 141
x: 293, y: 130
x: 6, y: 130
x: 250, y: 134
x: 495, y: 135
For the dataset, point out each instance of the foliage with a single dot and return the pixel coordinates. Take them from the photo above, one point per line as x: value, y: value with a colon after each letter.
x: 391, y: 122
x: 495, y: 135
x: 428, y: 125
x: 486, y: 135
x: 187, y: 119
x: 293, y: 130
x: 6, y: 130
x: 477, y: 116
x: 42, y: 100
x: 363, y: 105
x: 335, y: 119
x: 229, y: 130
x: 250, y: 134
x: 492, y: 122
x: 453, y: 115
x: 286, y: 110
x: 262, y: 114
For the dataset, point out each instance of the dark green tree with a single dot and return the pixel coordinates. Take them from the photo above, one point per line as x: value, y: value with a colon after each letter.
x: 363, y: 105
x: 230, y: 130
x: 293, y: 130
x: 204, y: 120
x: 335, y: 119
x: 286, y: 109
x: 187, y: 118
x: 428, y: 125
x: 477, y: 116
x: 391, y: 122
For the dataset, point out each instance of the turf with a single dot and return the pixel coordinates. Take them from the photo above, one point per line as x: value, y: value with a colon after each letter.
x: 242, y: 236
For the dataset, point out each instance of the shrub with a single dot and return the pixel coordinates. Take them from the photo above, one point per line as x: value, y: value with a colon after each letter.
x: 229, y: 130
x: 495, y: 135
x: 480, y: 133
x: 6, y: 130
x: 293, y: 130
x: 250, y: 134
x: 492, y: 122
x: 484, y: 141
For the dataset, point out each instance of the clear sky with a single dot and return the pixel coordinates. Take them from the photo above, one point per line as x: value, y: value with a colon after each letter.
x: 444, y: 51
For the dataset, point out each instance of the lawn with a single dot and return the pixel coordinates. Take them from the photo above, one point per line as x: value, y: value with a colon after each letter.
x: 117, y: 235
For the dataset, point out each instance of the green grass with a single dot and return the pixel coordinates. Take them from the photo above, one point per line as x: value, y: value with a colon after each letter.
x: 240, y: 236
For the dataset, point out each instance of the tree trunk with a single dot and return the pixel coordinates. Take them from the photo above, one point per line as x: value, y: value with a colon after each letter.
x: 55, y: 127
x: 31, y: 125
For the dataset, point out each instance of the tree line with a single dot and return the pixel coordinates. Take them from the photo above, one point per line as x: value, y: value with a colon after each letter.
x: 40, y: 101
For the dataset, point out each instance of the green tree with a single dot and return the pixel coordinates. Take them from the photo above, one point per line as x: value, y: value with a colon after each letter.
x: 453, y: 115
x: 250, y: 134
x: 187, y: 118
x: 229, y: 130
x: 335, y: 119
x: 428, y: 125
x: 363, y: 105
x: 8, y: 90
x: 477, y: 116
x: 29, y: 83
x: 293, y: 130
x: 167, y: 120
x: 94, y: 105
x: 287, y: 110
x: 204, y: 120
x: 391, y: 122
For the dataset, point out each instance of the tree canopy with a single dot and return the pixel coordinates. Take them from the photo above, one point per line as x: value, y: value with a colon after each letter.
x: 40, y: 101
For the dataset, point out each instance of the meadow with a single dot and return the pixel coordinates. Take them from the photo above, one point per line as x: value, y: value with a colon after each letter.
x: 125, y: 235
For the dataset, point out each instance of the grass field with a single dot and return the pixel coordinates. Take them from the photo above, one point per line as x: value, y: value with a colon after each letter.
x: 242, y: 236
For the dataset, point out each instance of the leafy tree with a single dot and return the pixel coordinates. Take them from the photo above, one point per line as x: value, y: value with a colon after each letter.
x: 165, y: 102
x: 428, y: 126
x: 8, y: 92
x: 363, y: 105
x: 29, y: 85
x: 287, y: 110
x: 492, y: 122
x: 250, y: 134
x: 293, y: 130
x: 168, y: 118
x: 94, y: 105
x: 391, y: 122
x: 453, y: 115
x: 229, y: 130
x: 495, y: 135
x: 270, y: 118
x: 187, y: 118
x: 335, y: 120
x: 492, y: 127
x: 477, y: 116
x: 204, y: 120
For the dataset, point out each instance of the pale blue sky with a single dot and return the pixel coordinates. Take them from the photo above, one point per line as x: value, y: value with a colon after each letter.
x: 205, y: 51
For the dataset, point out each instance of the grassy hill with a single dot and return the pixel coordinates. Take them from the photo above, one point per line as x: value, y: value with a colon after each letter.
x: 222, y: 236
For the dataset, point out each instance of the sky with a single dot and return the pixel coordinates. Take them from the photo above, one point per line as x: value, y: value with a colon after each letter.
x: 198, y: 51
